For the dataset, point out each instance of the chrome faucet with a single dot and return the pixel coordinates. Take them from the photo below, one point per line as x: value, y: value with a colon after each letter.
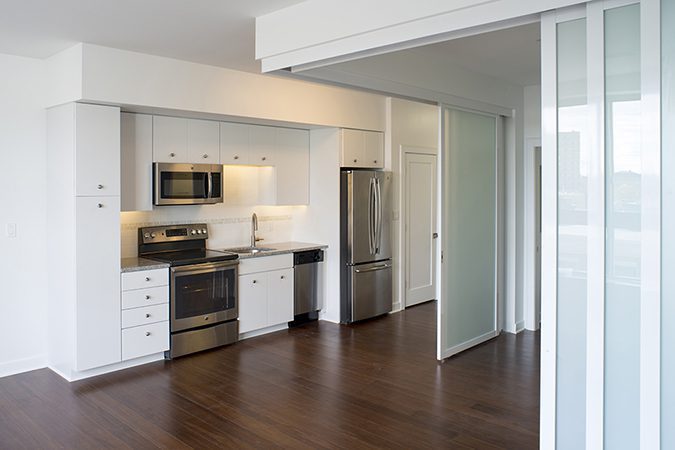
x: 254, y: 228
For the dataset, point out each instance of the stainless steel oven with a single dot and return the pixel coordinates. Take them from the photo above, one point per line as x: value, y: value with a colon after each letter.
x: 187, y: 184
x: 203, y: 294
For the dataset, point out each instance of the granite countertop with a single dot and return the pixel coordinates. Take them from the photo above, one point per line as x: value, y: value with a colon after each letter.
x: 136, y: 264
x: 281, y: 248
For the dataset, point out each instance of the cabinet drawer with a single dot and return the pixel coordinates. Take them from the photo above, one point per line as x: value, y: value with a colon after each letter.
x: 145, y: 297
x: 145, y: 340
x: 265, y: 263
x: 146, y: 315
x: 145, y: 279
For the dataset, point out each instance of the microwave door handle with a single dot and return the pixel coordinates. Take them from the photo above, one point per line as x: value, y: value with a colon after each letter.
x: 209, y: 180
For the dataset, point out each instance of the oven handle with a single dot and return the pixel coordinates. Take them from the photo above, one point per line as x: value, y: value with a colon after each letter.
x: 196, y: 269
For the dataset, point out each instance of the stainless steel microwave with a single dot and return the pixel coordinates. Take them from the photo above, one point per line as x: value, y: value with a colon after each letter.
x: 187, y: 184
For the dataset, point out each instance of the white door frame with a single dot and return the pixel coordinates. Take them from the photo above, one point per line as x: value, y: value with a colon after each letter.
x: 403, y: 151
x: 531, y: 309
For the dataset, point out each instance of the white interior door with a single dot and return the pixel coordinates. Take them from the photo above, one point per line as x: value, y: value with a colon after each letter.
x: 468, y: 307
x: 420, y: 227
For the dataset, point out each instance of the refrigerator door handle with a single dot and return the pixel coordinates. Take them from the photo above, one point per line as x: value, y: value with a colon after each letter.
x: 373, y: 269
x: 371, y: 212
x: 378, y: 242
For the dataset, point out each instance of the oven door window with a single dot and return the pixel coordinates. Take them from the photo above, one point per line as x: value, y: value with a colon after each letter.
x: 184, y: 185
x: 204, y: 293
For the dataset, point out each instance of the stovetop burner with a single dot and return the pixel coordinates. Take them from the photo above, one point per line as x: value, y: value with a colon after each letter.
x: 194, y: 256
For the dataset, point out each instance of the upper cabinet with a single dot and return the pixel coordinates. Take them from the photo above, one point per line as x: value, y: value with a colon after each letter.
x: 180, y: 140
x: 263, y: 145
x: 234, y: 143
x: 97, y: 144
x: 292, y: 163
x: 362, y: 149
x: 136, y: 148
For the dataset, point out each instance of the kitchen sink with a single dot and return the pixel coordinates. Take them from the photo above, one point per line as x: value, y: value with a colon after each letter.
x: 248, y: 250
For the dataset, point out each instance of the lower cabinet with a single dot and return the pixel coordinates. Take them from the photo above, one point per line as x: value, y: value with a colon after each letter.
x: 145, y: 313
x: 265, y: 292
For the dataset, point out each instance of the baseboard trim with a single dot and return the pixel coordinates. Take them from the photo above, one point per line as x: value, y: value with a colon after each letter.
x: 22, y: 365
x: 520, y: 326
x: 260, y: 332
x: 448, y: 352
x: 396, y: 307
x: 81, y: 375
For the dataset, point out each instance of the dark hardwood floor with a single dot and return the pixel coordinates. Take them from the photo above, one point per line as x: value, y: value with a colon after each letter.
x: 375, y: 384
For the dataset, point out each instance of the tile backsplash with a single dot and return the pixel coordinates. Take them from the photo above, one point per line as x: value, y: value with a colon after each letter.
x: 229, y: 226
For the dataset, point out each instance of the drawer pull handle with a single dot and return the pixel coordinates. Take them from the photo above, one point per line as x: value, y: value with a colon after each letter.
x: 147, y: 333
x: 99, y: 187
x: 172, y: 154
x: 147, y: 297
x: 255, y: 281
x: 100, y: 205
x: 282, y: 277
x: 147, y: 278
x: 147, y: 315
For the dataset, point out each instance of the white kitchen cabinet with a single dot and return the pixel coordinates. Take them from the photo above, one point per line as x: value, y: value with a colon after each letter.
x: 292, y: 167
x: 144, y: 325
x: 169, y: 139
x: 265, y: 292
x: 203, y: 141
x: 263, y: 145
x: 252, y: 302
x: 97, y: 150
x: 136, y: 148
x: 280, y: 296
x: 97, y: 256
x: 234, y: 143
x: 362, y: 149
x: 83, y: 251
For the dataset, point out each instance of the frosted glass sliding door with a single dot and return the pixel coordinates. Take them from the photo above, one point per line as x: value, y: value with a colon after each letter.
x: 573, y: 167
x: 623, y: 206
x: 469, y: 225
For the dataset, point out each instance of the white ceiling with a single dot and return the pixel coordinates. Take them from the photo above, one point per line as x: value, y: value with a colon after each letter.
x: 512, y: 54
x: 215, y: 32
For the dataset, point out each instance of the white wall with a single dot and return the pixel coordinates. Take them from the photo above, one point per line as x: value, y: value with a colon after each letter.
x: 23, y: 271
x: 411, y: 124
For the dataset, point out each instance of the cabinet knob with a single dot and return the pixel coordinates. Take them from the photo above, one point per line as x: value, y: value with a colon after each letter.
x: 147, y: 278
x: 355, y: 160
x: 205, y: 156
x: 172, y: 154
x: 282, y: 277
x: 147, y: 333
x: 99, y: 187
x: 255, y: 281
x: 264, y: 158
x: 100, y: 205
x: 236, y: 156
x: 147, y: 316
x: 147, y: 297
x: 375, y: 161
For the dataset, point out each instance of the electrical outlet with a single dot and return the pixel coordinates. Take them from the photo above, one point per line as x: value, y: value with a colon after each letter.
x: 11, y: 230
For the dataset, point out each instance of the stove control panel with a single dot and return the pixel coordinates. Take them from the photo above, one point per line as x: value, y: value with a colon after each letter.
x: 172, y: 233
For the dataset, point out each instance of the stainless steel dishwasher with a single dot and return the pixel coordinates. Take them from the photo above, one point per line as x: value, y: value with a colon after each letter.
x: 307, y: 286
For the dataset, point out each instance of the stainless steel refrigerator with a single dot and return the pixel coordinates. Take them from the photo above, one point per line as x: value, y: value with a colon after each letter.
x: 365, y: 244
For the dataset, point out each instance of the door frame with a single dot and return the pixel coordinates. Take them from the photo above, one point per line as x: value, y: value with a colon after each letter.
x: 428, y: 151
x: 531, y: 309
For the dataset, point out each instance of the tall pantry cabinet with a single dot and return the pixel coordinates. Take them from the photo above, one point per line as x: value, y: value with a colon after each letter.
x: 83, y: 215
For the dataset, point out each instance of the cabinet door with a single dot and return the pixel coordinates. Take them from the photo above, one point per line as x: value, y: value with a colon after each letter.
x: 136, y: 147
x: 373, y: 154
x: 234, y: 143
x: 352, y: 153
x: 169, y: 139
x: 263, y: 145
x: 252, y: 302
x: 97, y: 150
x: 97, y: 260
x: 280, y: 297
x: 292, y: 163
x: 203, y: 141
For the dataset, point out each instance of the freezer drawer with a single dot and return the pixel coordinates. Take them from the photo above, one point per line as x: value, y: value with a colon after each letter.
x: 370, y: 291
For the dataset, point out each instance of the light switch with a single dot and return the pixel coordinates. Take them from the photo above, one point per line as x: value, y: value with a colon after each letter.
x: 11, y: 230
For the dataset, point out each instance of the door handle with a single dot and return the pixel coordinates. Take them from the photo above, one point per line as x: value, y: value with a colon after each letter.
x: 372, y: 269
